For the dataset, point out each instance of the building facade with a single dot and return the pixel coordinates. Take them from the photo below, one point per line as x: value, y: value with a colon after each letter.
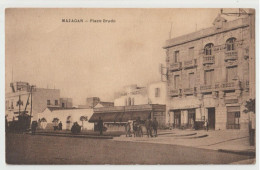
x: 50, y: 117
x: 19, y: 100
x: 210, y: 75
x: 133, y: 103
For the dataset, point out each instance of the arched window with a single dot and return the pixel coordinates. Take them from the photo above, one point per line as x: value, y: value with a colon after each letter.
x: 208, y: 49
x: 230, y: 44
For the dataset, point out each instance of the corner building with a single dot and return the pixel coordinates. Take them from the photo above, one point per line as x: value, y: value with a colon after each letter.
x: 211, y: 74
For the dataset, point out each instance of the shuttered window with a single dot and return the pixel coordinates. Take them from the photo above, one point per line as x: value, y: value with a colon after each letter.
x: 231, y: 73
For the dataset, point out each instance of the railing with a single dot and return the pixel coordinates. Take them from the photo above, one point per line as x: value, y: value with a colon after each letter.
x: 231, y: 55
x: 188, y: 91
x: 208, y: 59
x: 190, y: 63
x: 206, y: 88
x: 175, y: 66
x: 174, y: 92
x: 227, y: 85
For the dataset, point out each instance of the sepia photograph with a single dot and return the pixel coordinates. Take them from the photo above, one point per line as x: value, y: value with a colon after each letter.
x: 127, y: 86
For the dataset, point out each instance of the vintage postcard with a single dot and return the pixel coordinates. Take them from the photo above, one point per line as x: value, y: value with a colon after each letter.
x: 130, y: 86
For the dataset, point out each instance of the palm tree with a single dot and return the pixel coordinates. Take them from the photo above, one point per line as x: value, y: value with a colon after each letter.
x: 82, y: 119
x: 55, y: 120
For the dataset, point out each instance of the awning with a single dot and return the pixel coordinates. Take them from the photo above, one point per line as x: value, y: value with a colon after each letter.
x: 135, y: 115
x: 106, y: 117
x: 120, y: 117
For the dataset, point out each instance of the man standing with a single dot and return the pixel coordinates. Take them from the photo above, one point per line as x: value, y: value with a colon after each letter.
x: 148, y: 124
x: 155, y: 126
x: 100, y: 126
x: 60, y: 126
x: 34, y: 126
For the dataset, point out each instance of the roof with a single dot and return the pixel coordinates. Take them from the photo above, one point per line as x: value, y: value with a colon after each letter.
x: 120, y: 116
x: 227, y: 26
x: 61, y: 108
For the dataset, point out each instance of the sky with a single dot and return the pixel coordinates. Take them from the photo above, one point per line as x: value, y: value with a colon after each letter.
x: 93, y: 59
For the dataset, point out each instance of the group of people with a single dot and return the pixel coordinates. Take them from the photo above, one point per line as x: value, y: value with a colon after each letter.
x: 150, y: 125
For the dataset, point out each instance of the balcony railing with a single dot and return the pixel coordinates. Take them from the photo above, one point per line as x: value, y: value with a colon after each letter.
x: 174, y: 92
x: 231, y: 55
x: 208, y: 59
x: 188, y: 91
x: 175, y: 66
x: 190, y: 63
x: 227, y: 85
x: 206, y: 88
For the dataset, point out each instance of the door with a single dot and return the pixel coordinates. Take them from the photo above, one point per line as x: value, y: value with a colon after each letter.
x: 211, y: 118
x: 177, y: 119
x: 191, y: 118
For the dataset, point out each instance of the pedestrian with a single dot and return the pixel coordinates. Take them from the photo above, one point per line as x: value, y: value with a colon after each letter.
x: 206, y: 124
x: 60, y: 126
x: 128, y: 129
x: 34, y: 126
x: 148, y: 124
x: 100, y: 126
x: 155, y: 126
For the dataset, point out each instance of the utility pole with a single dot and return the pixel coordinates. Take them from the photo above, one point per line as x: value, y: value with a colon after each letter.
x: 31, y: 105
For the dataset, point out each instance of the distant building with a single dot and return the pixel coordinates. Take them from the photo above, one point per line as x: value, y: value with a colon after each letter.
x: 134, y: 103
x: 18, y: 102
x: 211, y: 73
x: 51, y: 117
x: 93, y: 102
x: 20, y: 98
x: 66, y: 103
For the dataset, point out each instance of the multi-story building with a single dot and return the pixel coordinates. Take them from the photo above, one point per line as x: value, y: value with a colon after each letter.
x: 211, y: 74
x: 19, y: 101
x: 24, y: 102
x: 93, y: 102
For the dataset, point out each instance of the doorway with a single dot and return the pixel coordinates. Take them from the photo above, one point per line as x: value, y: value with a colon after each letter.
x: 177, y: 119
x: 211, y: 118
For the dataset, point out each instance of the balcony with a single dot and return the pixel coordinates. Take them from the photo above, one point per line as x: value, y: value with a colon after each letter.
x: 190, y: 64
x: 208, y: 59
x: 206, y: 88
x: 231, y: 55
x: 225, y: 86
x: 174, y: 92
x: 188, y: 91
x: 175, y: 66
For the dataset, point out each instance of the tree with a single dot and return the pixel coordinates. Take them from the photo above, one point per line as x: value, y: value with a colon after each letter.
x: 250, y: 106
x: 55, y: 120
x: 83, y: 118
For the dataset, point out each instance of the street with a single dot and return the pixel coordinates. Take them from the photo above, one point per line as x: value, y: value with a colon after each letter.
x: 27, y: 149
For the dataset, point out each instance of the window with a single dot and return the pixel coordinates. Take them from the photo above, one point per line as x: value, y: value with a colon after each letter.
x: 63, y: 105
x: 191, y: 80
x: 12, y: 104
x: 231, y: 73
x: 191, y: 52
x: 208, y: 50
x: 133, y: 101
x: 208, y: 78
x: 230, y: 44
x: 129, y: 101
x: 176, y: 81
x: 56, y: 102
x: 48, y: 102
x: 157, y: 92
x: 176, y: 56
